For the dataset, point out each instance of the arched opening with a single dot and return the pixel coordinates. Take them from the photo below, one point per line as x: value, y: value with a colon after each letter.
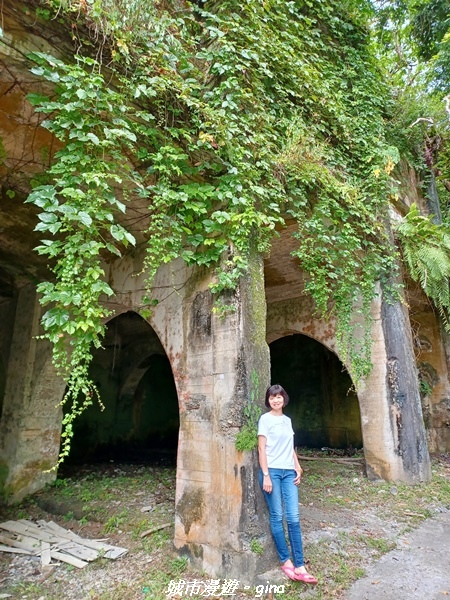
x: 323, y: 405
x: 140, y: 421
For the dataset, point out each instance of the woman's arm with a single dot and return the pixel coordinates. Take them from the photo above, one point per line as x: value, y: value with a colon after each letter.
x: 297, y: 468
x: 267, y: 482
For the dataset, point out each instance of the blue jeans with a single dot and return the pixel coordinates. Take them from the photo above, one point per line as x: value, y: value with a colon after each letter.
x: 284, y: 493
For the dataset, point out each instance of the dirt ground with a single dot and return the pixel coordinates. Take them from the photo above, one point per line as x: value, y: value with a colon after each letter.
x: 349, y: 525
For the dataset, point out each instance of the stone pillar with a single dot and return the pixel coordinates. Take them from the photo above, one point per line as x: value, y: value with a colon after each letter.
x: 403, y: 393
x: 219, y: 507
x: 31, y: 420
x: 391, y: 415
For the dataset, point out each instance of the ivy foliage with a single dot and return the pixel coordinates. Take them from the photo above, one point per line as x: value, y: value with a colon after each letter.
x: 79, y: 210
x: 227, y: 118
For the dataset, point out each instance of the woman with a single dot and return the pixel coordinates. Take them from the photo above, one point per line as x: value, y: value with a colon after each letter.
x: 279, y: 477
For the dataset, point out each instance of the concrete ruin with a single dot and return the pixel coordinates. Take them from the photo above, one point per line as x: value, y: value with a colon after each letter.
x: 202, y: 368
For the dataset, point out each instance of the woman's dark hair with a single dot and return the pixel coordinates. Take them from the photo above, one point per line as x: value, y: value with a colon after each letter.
x: 274, y: 390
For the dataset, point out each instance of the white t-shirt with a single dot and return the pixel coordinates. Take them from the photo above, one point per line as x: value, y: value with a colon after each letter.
x: 280, y: 440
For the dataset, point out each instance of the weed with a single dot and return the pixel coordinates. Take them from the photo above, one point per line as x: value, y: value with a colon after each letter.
x: 23, y: 589
x: 60, y: 483
x: 179, y: 565
x: 115, y: 521
x: 87, y: 495
x: 256, y: 546
x: 380, y: 544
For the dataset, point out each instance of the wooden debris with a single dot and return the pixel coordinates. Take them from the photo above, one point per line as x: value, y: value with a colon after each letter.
x: 45, y: 554
x: 14, y: 550
x: 154, y: 529
x: 342, y: 459
x: 29, y: 547
x: 50, y: 541
x: 76, y: 562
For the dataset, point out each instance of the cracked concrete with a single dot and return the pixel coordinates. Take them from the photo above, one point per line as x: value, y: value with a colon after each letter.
x: 418, y: 569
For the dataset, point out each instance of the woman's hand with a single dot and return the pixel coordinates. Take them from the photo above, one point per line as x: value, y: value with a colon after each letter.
x: 298, y: 475
x: 267, y: 484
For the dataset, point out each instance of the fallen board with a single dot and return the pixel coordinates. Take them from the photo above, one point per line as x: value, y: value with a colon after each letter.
x: 50, y: 541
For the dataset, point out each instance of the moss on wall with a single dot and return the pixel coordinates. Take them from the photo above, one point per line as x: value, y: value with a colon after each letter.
x: 323, y: 407
x: 190, y: 507
x: 16, y: 487
x: 4, y: 471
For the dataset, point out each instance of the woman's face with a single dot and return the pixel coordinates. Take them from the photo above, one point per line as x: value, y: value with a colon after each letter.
x: 276, y: 402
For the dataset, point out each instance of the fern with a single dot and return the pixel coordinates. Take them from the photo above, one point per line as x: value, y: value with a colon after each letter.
x: 426, y: 251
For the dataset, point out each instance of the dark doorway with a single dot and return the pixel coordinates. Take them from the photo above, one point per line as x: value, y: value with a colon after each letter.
x: 140, y: 421
x: 323, y: 405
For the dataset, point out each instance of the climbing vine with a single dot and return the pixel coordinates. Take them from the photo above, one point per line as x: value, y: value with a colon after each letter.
x: 78, y: 211
x: 226, y: 118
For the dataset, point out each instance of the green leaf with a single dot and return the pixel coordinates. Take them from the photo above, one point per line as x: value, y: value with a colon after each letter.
x: 48, y: 217
x: 37, y: 99
x: 117, y: 232
x: 130, y: 238
x: 93, y: 138
x: 85, y: 218
x: 113, y: 249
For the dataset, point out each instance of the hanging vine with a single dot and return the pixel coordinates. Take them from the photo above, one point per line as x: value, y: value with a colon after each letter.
x: 227, y: 117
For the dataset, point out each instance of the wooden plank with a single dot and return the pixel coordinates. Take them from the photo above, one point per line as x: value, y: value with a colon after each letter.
x: 149, y: 531
x: 115, y: 553
x: 15, y: 550
x: 108, y: 551
x: 32, y: 542
x: 70, y: 535
x: 71, y: 560
x: 78, y: 550
x: 54, y: 534
x: 52, y: 527
x: 45, y: 554
x: 66, y: 534
x: 341, y: 459
x: 28, y: 529
x: 24, y: 545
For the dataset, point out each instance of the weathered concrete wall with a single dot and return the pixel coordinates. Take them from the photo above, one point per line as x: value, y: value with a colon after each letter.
x: 31, y: 423
x: 403, y: 395
x: 431, y: 347
x: 7, y: 316
x: 430, y: 341
x: 380, y: 433
x: 212, y: 362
